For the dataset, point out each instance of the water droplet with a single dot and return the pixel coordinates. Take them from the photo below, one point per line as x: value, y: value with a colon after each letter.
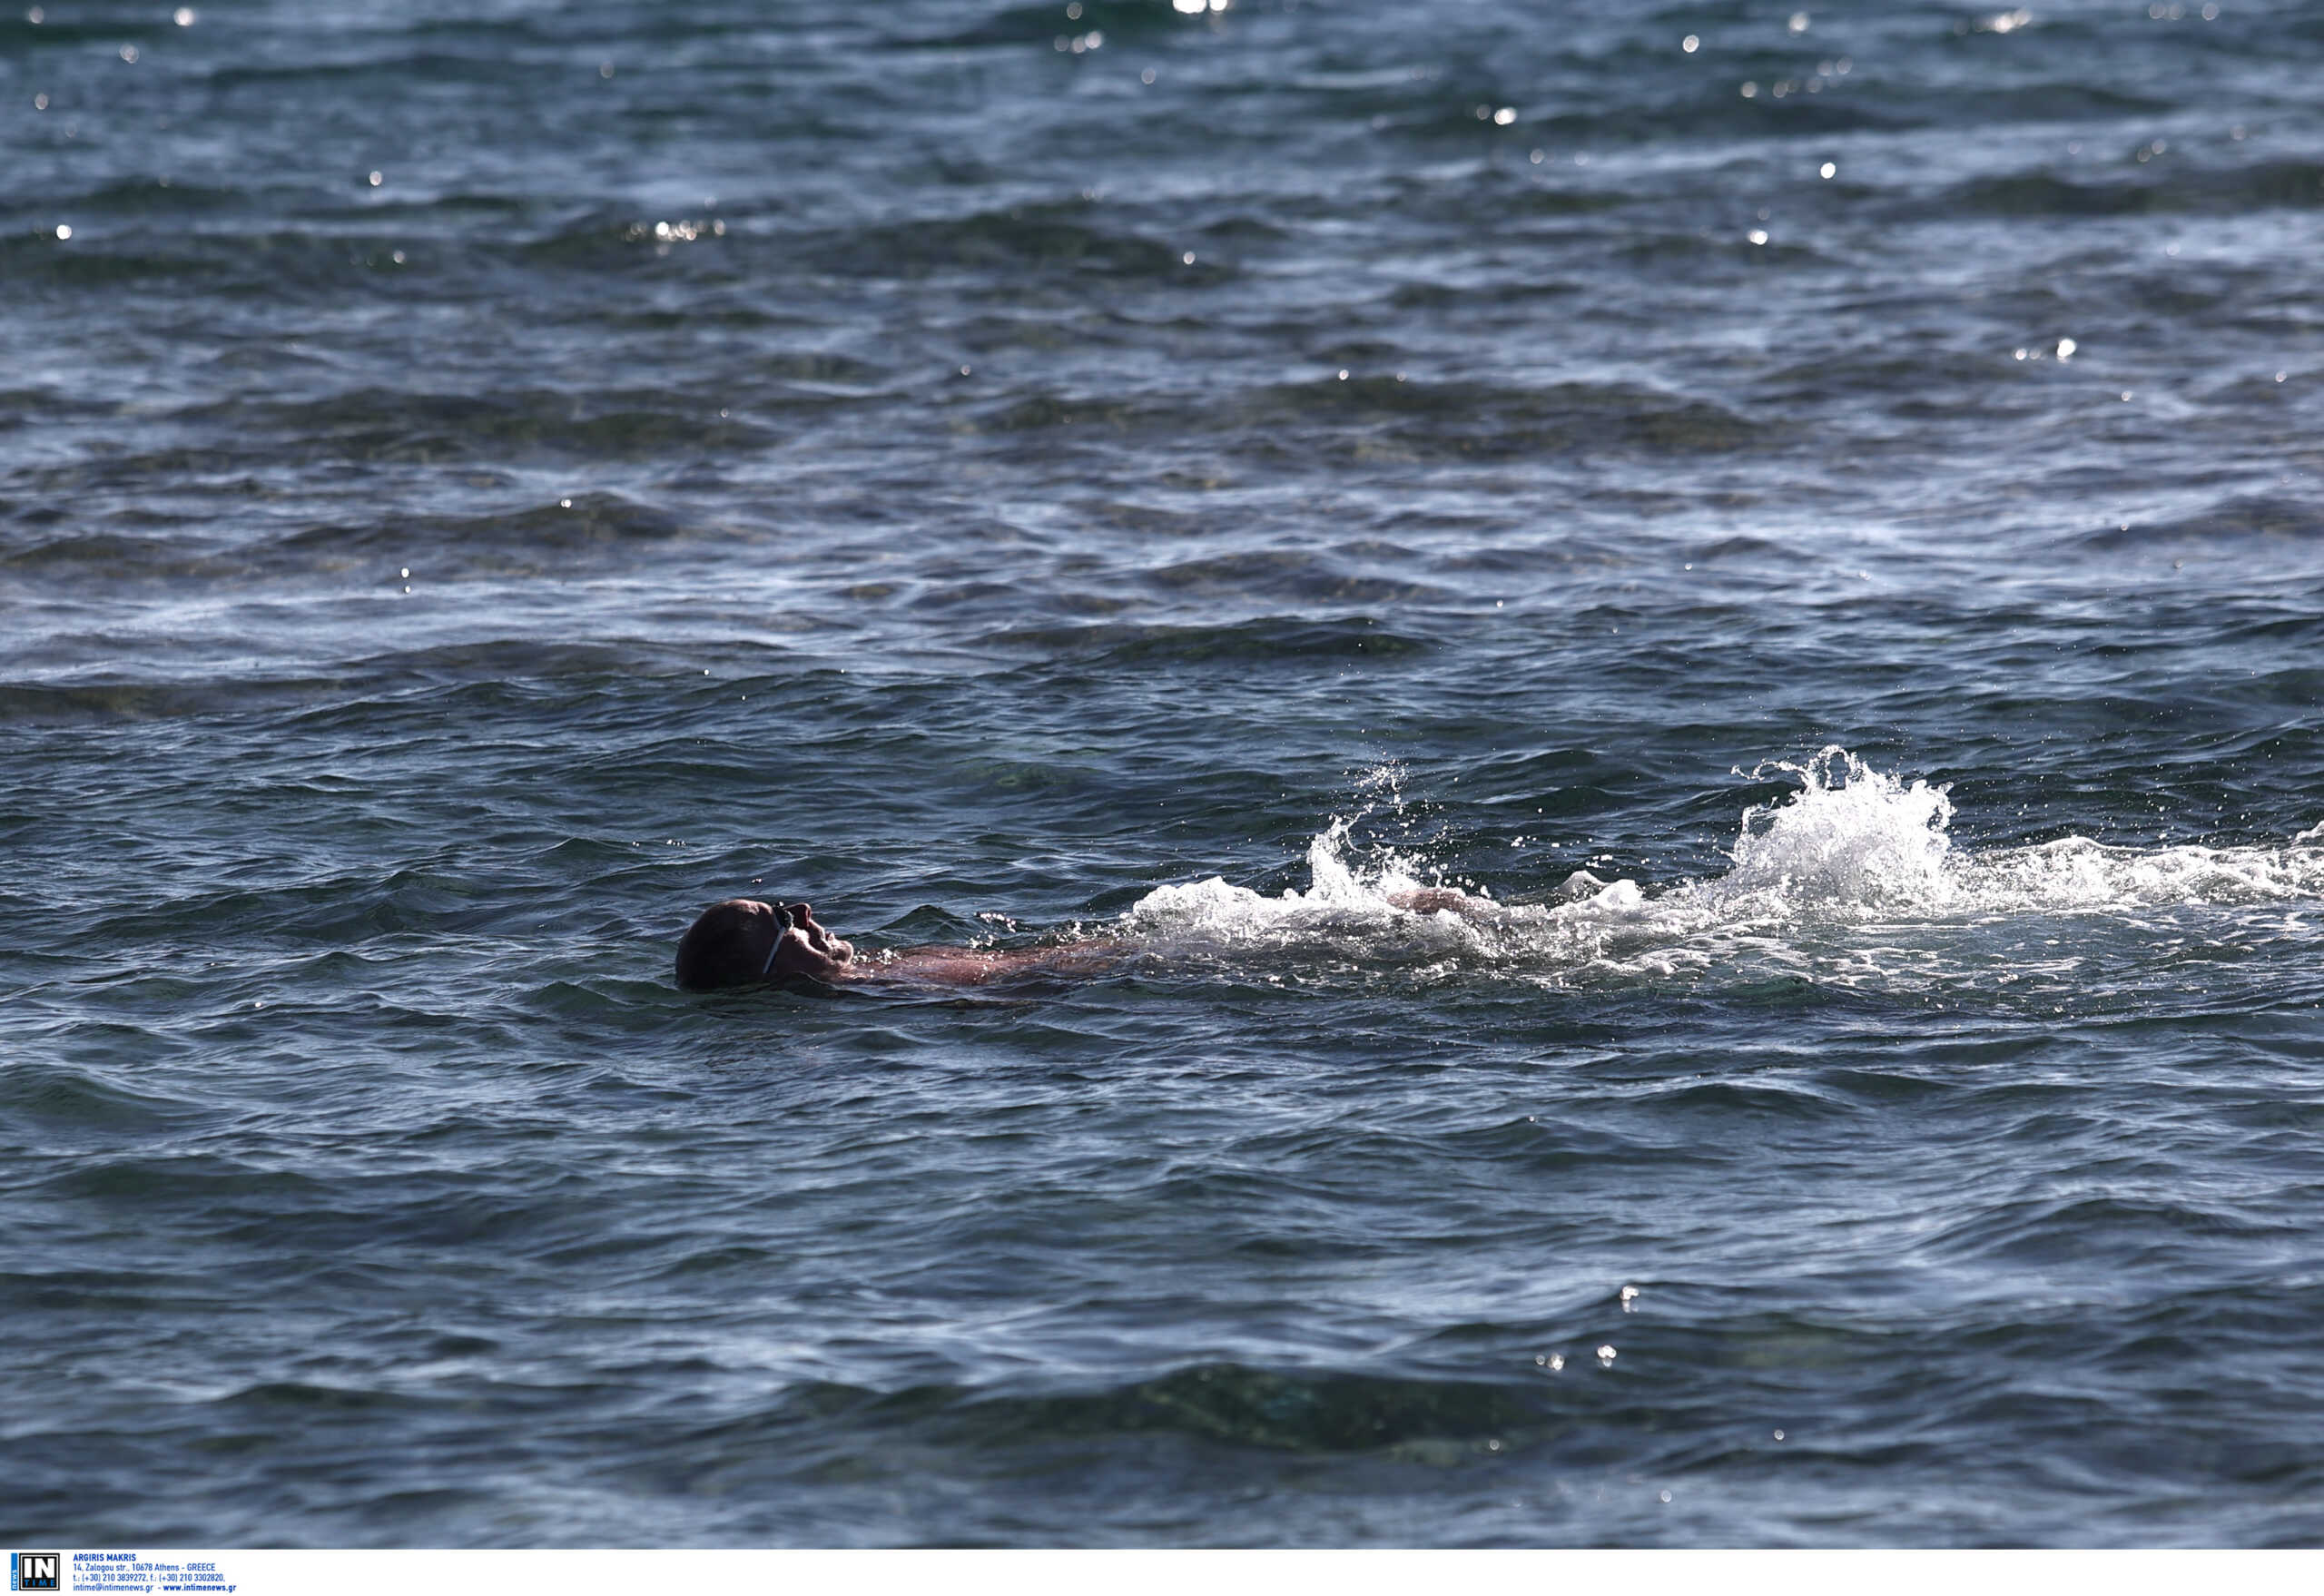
x: 1778, y: 1434
x: 1757, y: 235
x: 1691, y: 44
x: 1606, y: 1355
x: 374, y: 179
x: 404, y: 575
x: 2066, y: 347
x: 1828, y: 171
x: 183, y: 17
x: 64, y: 231
x: 129, y: 53
x: 1798, y: 23
x: 1662, y: 1496
x: 1188, y: 259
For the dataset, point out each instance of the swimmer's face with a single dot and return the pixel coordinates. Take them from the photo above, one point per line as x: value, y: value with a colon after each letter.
x: 804, y: 948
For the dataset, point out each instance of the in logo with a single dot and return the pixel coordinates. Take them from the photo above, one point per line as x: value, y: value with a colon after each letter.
x: 34, y: 1571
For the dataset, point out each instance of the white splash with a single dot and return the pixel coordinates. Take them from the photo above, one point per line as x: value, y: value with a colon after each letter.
x: 1853, y: 877
x: 1850, y: 838
x: 1342, y: 900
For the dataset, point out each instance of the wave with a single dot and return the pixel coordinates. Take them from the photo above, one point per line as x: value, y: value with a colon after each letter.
x: 1039, y: 237
x: 2237, y: 518
x: 1374, y: 416
x: 1280, y: 1409
x: 1355, y: 636
x: 2195, y: 189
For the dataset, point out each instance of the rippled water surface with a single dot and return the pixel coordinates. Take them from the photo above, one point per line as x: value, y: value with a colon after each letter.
x: 1815, y: 513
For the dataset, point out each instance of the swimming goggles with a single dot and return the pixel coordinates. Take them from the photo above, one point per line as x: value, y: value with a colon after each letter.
x: 782, y: 920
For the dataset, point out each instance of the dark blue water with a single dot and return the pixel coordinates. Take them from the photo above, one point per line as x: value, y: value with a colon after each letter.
x: 1822, y: 525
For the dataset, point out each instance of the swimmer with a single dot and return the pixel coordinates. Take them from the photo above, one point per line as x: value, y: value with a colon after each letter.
x: 744, y: 942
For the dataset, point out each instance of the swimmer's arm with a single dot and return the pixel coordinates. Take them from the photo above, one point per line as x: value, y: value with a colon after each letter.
x: 967, y: 967
x: 1446, y: 900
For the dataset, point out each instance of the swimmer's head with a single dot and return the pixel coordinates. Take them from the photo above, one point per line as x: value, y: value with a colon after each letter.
x: 742, y: 940
x: 731, y: 944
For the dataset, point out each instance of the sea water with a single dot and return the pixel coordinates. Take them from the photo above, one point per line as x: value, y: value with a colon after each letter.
x: 1810, y: 515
